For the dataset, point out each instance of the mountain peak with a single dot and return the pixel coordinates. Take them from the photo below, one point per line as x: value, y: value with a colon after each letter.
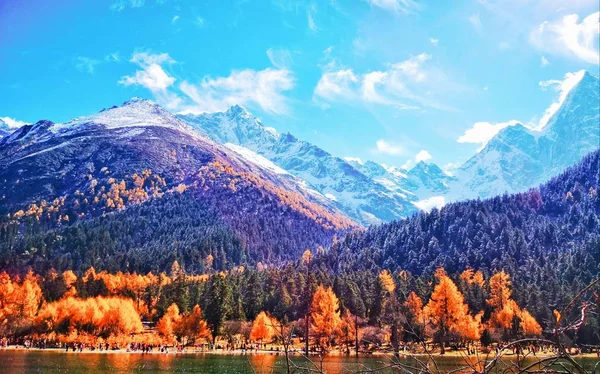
x: 137, y: 100
x: 237, y: 111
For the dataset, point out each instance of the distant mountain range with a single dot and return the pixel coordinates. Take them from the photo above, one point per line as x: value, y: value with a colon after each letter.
x: 516, y: 159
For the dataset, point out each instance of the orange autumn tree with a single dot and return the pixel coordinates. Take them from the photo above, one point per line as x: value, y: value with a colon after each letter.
x: 192, y: 327
x: 387, y: 281
x: 263, y: 327
x: 19, y: 302
x: 447, y: 311
x: 167, y: 325
x: 505, y: 311
x: 414, y: 305
x: 349, y: 331
x: 69, y: 278
x: 325, y: 316
x: 99, y: 317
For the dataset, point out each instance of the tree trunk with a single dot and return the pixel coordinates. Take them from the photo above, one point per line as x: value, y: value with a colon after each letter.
x: 306, y: 334
x: 356, y: 333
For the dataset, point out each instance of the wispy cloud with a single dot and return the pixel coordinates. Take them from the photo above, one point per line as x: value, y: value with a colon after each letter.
x: 312, y: 25
x: 175, y: 18
x: 395, y: 6
x: 544, y: 62
x: 120, y: 5
x: 570, y: 37
x: 281, y: 58
x: 434, y: 41
x: 86, y: 64
x: 408, y: 84
x: 263, y: 88
x: 475, y: 20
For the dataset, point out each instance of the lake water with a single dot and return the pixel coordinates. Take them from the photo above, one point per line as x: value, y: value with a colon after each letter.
x: 13, y: 361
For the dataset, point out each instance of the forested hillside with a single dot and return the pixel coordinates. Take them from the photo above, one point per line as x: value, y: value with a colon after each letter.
x: 134, y: 188
x: 547, y: 239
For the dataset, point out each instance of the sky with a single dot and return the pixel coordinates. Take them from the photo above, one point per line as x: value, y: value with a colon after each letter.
x: 393, y: 81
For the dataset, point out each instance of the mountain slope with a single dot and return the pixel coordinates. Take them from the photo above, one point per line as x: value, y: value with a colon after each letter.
x: 518, y: 158
x: 547, y: 239
x: 354, y: 193
x: 61, y: 176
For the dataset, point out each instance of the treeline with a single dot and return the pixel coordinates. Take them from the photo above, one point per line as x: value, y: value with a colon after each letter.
x: 380, y: 310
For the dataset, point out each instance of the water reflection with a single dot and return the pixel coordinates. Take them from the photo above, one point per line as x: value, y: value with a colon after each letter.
x: 12, y: 361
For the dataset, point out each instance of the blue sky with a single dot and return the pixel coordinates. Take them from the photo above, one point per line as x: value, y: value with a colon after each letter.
x: 394, y: 81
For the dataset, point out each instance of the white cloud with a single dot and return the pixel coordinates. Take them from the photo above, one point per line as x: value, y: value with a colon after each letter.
x: 413, y: 67
x: 570, y: 37
x: 86, y: 64
x: 12, y: 123
x: 387, y: 148
x: 544, y: 62
x: 423, y: 155
x: 434, y: 41
x: 200, y: 21
x: 280, y: 58
x: 337, y: 84
x: 430, y: 203
x: 476, y: 21
x: 408, y: 84
x: 119, y: 5
x: 563, y: 87
x: 482, y: 132
x: 264, y: 88
x: 175, y: 18
x: 396, y: 6
x: 152, y: 76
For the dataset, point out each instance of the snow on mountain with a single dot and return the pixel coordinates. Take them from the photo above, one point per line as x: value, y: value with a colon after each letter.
x: 142, y: 131
x: 9, y: 125
x: 518, y: 158
x: 430, y: 203
x: 356, y: 194
x: 427, y: 180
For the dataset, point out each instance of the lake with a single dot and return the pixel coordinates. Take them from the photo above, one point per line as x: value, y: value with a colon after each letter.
x: 21, y: 361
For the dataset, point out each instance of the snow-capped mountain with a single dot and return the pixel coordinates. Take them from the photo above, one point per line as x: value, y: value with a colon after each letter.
x: 518, y: 158
x: 48, y: 160
x: 356, y: 194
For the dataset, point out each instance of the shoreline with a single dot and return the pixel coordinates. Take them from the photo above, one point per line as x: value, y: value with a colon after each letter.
x: 220, y: 352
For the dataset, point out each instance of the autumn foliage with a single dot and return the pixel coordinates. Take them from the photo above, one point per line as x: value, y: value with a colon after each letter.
x: 263, y: 327
x: 448, y: 312
x: 325, y: 316
x: 55, y: 307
